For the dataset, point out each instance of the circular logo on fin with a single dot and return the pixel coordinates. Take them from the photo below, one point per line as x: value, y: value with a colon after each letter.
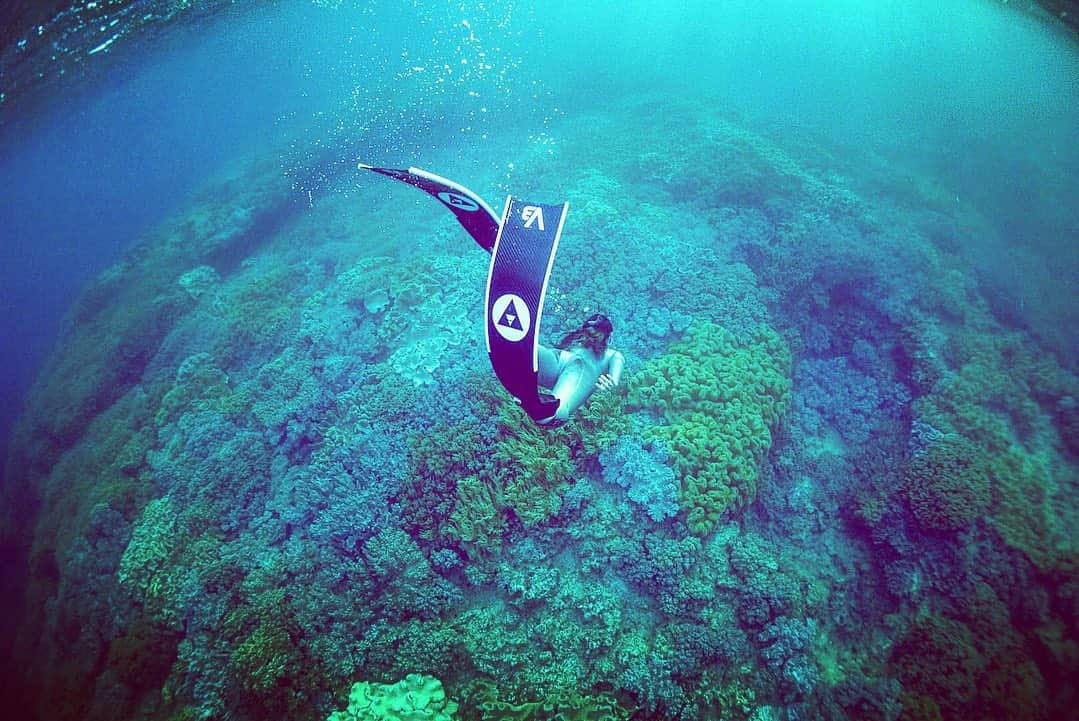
x: 458, y: 201
x: 511, y: 317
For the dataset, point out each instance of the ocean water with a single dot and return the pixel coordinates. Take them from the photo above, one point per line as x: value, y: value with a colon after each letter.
x: 257, y: 465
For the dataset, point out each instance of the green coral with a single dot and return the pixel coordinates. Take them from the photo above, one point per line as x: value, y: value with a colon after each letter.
x: 267, y: 658
x: 415, y: 698
x: 440, y: 460
x: 719, y: 400
x: 478, y: 518
x: 145, y: 563
x: 947, y: 485
x: 264, y: 659
x: 992, y: 399
x: 538, y: 468
x: 166, y: 548
x: 465, y: 482
x: 938, y: 663
x: 600, y: 423
x: 199, y: 384
x: 570, y: 706
x: 720, y: 698
x: 256, y: 302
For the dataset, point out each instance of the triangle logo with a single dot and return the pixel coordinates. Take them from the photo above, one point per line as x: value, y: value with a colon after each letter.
x: 511, y: 317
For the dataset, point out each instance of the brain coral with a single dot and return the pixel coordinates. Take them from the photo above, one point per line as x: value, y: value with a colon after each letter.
x: 719, y: 401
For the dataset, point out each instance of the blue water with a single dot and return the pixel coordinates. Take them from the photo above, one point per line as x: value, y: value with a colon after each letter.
x: 913, y: 81
x: 93, y: 173
x: 258, y: 455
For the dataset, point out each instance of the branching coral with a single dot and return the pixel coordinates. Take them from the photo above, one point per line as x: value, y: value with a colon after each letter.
x: 166, y: 550
x: 420, y: 307
x: 937, y: 660
x: 644, y: 473
x: 954, y: 670
x: 144, y: 655
x: 537, y: 473
x: 478, y: 518
x: 256, y: 304
x: 439, y: 458
x: 395, y: 524
x: 468, y: 478
x: 266, y: 658
x: 143, y: 567
x: 199, y: 384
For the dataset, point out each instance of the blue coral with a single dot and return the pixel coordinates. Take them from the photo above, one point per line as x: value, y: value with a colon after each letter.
x: 838, y: 394
x: 785, y: 647
x: 644, y: 472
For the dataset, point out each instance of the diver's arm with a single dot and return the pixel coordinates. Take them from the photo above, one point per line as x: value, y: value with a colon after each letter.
x: 610, y: 378
x: 614, y: 366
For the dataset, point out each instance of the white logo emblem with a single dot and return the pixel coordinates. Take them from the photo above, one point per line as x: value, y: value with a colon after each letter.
x: 530, y: 214
x: 511, y: 317
x: 457, y: 201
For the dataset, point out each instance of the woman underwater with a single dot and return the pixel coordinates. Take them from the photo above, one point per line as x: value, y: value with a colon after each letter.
x: 579, y: 365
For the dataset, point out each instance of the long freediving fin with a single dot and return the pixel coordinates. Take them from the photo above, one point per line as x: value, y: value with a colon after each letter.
x: 516, y: 286
x: 522, y: 244
x: 471, y: 211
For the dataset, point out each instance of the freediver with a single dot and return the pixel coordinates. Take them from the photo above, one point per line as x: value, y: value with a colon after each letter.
x: 522, y: 246
x: 579, y: 365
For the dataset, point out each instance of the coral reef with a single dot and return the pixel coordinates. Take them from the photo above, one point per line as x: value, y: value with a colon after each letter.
x: 414, y: 698
x: 946, y: 485
x: 644, y: 473
x: 268, y: 458
x: 719, y: 401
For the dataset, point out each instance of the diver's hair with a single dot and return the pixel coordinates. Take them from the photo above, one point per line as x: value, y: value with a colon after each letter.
x: 581, y: 337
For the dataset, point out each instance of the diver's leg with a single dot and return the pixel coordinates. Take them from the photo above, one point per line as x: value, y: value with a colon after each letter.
x: 567, y: 389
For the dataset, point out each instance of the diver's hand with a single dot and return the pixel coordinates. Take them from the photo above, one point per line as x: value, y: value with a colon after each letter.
x: 605, y: 382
